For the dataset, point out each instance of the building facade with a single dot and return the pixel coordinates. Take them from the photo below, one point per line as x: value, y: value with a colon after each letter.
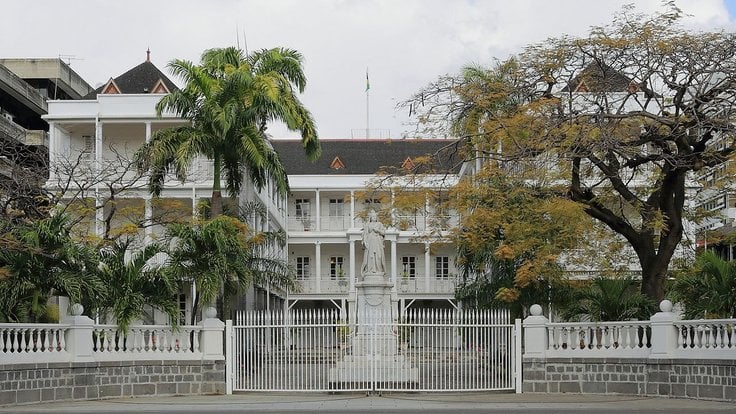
x: 326, y: 209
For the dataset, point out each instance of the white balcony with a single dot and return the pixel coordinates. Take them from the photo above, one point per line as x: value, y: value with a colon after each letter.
x: 404, y: 286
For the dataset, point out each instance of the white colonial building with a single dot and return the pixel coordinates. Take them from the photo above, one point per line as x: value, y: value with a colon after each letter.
x: 93, y: 141
x: 328, y: 202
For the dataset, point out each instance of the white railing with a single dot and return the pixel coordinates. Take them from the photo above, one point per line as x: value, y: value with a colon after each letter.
x: 79, y: 339
x: 331, y: 351
x: 33, y: 342
x: 623, y: 339
x: 664, y: 335
x: 147, y: 342
x: 327, y: 284
x: 706, y: 337
x: 417, y: 285
x: 411, y: 285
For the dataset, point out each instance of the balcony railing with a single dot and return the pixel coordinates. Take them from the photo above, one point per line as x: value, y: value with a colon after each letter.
x: 401, y: 222
x: 418, y: 285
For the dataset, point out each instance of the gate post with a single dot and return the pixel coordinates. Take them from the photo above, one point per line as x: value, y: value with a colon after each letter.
x: 229, y: 357
x: 517, y: 355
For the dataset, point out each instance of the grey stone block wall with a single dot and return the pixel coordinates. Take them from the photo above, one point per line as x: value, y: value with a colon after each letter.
x: 33, y: 383
x: 701, y: 379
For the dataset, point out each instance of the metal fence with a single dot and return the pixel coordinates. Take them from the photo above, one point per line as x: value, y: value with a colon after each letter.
x: 423, y: 350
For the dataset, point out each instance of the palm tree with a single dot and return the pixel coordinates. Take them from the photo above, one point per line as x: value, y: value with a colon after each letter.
x: 610, y: 299
x: 131, y: 283
x: 229, y: 99
x: 709, y: 289
x: 223, y: 255
x: 40, y: 259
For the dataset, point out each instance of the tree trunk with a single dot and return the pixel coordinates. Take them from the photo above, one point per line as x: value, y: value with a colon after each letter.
x: 653, y: 275
x: 216, y: 204
x: 216, y: 201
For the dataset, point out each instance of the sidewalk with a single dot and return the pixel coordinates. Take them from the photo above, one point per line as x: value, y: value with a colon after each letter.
x: 454, y: 403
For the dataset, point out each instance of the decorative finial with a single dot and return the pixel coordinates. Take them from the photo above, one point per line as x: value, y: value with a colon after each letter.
x: 148, y: 55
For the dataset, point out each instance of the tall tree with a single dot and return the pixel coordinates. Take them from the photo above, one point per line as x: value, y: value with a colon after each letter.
x: 224, y: 255
x: 622, y: 117
x: 132, y: 280
x: 229, y: 99
x: 39, y: 259
x: 708, y: 289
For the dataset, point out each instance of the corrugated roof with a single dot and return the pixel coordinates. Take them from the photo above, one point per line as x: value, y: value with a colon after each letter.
x: 367, y: 156
x: 140, y: 79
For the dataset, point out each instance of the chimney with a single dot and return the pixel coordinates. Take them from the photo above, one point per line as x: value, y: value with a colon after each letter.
x: 148, y: 55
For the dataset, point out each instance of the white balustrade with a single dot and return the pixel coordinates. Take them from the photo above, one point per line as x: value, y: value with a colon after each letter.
x: 32, y: 342
x: 147, y: 342
x: 706, y: 338
x: 663, y: 336
x: 604, y: 339
x: 79, y: 339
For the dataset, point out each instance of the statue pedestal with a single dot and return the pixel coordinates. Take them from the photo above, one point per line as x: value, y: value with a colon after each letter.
x: 375, y: 351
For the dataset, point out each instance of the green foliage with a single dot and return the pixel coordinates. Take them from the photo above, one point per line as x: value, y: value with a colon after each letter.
x: 618, y: 118
x: 224, y: 255
x: 610, y: 299
x: 708, y: 289
x: 511, y: 237
x: 229, y: 98
x: 132, y: 283
x: 40, y: 259
x: 495, y: 288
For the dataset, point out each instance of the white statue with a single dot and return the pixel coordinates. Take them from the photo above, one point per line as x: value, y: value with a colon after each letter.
x: 373, y: 234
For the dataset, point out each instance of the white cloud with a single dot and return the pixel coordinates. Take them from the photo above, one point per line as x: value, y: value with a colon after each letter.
x: 405, y: 43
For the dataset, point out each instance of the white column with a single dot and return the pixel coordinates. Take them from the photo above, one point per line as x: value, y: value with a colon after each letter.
x: 319, y: 210
x: 352, y: 263
x: 148, y: 132
x: 535, y: 334
x: 427, y: 268
x: 78, y: 336
x: 147, y: 219
x: 52, y: 148
x: 393, y: 263
x: 352, y: 208
x: 99, y: 213
x: 318, y: 265
x: 194, y: 202
x: 664, y: 333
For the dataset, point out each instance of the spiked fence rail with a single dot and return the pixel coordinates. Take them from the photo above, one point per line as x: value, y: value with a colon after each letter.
x: 422, y: 350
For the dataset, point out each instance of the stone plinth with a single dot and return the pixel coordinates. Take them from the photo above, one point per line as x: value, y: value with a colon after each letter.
x: 375, y: 354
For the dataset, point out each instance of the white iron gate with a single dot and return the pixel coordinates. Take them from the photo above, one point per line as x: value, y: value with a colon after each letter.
x: 425, y: 350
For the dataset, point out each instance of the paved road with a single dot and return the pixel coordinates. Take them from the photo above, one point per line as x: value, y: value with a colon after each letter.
x: 393, y: 403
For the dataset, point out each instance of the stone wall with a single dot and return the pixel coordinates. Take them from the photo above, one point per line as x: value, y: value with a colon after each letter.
x: 33, y: 383
x: 684, y: 378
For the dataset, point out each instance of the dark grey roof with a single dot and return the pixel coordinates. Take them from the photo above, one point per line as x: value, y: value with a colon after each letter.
x: 600, y: 78
x: 140, y: 79
x: 367, y: 156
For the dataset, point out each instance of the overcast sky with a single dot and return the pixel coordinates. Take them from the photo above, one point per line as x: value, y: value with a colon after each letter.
x: 404, y: 43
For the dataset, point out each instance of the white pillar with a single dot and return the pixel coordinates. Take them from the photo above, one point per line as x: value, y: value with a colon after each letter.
x: 318, y: 265
x: 211, y: 339
x: 99, y: 211
x: 427, y: 268
x: 394, y: 263
x: 148, y: 132
x: 535, y: 333
x: 147, y: 218
x: 664, y: 333
x: 351, y: 244
x: 352, y: 208
x: 52, y: 148
x: 318, y: 222
x: 79, y: 335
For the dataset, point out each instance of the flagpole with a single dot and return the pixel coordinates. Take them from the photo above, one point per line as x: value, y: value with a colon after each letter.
x: 367, y: 101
